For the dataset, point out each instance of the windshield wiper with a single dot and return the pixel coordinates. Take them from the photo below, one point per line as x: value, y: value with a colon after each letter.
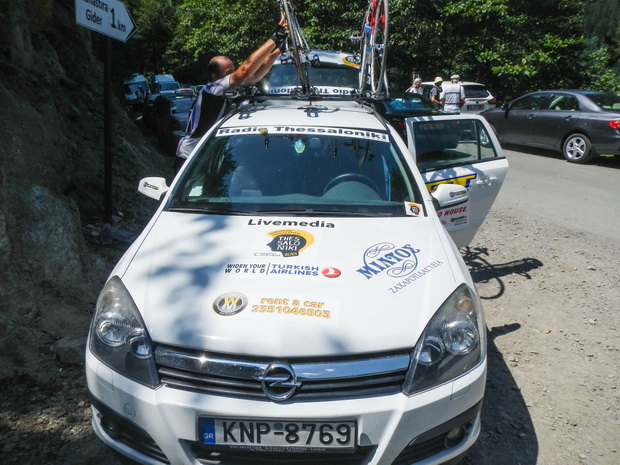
x: 313, y: 212
x: 212, y: 211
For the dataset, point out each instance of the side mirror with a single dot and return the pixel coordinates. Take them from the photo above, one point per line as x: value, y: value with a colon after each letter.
x: 153, y: 187
x: 448, y: 195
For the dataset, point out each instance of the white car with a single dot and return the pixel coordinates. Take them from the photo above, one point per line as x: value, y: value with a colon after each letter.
x: 296, y: 297
x: 477, y: 97
x: 332, y: 73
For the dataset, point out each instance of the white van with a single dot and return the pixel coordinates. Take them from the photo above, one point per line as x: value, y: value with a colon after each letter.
x: 132, y: 84
x: 166, y: 84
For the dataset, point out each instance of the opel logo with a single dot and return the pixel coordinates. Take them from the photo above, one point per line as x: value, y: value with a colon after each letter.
x: 279, y: 381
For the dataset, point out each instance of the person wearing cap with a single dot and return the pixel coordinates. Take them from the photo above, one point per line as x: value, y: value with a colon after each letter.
x: 435, y: 92
x: 453, y: 95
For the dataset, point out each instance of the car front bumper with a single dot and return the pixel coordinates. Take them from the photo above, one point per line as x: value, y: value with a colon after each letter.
x: 159, y: 426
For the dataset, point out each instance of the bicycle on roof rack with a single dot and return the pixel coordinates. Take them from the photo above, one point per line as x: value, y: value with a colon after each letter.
x: 373, y: 43
x: 297, y: 47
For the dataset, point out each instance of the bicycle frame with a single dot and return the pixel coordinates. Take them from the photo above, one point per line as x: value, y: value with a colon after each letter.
x: 298, y: 48
x: 373, y: 49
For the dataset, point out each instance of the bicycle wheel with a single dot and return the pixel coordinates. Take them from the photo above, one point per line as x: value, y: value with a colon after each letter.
x: 374, y: 48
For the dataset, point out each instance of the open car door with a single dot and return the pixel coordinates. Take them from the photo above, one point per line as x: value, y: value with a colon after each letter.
x: 463, y: 150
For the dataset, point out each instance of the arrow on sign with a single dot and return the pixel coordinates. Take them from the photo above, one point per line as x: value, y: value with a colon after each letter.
x: 108, y: 17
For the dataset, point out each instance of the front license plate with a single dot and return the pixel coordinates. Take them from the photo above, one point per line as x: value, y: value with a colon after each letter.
x: 278, y: 435
x: 474, y: 107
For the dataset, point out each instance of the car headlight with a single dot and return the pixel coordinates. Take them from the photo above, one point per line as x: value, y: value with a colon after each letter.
x: 453, y: 343
x: 118, y: 336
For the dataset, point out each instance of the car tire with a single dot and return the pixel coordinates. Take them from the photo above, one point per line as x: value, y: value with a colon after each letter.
x: 577, y: 148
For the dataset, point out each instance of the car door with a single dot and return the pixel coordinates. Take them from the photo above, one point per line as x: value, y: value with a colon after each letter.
x: 518, y: 125
x: 560, y: 113
x: 463, y: 150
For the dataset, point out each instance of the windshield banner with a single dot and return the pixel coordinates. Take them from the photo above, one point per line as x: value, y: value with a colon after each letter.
x: 304, y: 130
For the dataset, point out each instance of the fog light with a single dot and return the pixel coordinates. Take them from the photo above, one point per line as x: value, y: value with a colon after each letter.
x: 111, y: 427
x: 454, y: 437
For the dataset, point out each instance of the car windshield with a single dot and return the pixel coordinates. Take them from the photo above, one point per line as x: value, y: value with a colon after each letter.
x: 301, y: 170
x: 169, y: 85
x: 475, y: 91
x: 606, y: 101
x: 408, y: 104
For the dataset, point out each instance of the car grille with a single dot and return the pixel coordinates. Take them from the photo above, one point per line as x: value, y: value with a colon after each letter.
x: 377, y: 374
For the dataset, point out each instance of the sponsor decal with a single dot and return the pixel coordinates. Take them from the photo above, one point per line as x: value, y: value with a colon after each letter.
x: 286, y: 130
x: 150, y: 186
x: 459, y: 220
x: 413, y: 209
x: 268, y: 269
x: 320, y: 90
x: 396, y: 262
x: 297, y: 270
x: 452, y: 211
x: 351, y: 61
x: 290, y: 242
x: 307, y: 308
x: 464, y: 181
x: 331, y: 272
x: 291, y: 224
x: 246, y: 268
x: 385, y: 259
x: 230, y: 303
x: 413, y: 277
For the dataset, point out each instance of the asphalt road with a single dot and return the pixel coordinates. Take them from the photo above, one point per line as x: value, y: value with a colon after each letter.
x: 542, y: 185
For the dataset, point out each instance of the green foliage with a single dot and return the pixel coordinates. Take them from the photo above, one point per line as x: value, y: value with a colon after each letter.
x: 513, y: 46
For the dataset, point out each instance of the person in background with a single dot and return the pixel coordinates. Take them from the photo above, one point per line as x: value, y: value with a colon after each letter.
x: 416, y: 88
x: 453, y: 95
x: 210, y: 106
x: 435, y: 92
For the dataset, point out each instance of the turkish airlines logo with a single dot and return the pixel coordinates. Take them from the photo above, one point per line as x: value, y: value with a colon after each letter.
x: 331, y: 272
x: 230, y: 303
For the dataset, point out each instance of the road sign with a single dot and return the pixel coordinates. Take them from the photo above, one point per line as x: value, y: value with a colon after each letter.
x: 108, y: 17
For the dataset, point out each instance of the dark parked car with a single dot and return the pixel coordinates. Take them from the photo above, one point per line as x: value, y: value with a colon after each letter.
x: 403, y: 105
x: 580, y: 124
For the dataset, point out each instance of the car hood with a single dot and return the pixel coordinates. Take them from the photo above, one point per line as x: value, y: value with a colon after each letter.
x: 267, y: 286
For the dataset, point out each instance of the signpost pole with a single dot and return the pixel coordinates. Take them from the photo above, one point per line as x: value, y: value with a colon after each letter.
x: 111, y: 19
x: 107, y: 131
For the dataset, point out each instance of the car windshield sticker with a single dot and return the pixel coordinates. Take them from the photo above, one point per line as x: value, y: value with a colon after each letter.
x: 413, y: 209
x: 300, y: 146
x: 285, y: 130
x: 290, y: 242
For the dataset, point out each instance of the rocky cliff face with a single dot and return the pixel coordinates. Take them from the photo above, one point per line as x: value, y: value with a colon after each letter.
x: 52, y: 178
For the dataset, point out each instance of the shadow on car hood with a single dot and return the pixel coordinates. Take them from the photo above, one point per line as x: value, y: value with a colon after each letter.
x: 273, y: 286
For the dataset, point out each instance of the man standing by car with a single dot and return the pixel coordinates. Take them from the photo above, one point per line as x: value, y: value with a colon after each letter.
x: 435, y: 92
x: 453, y: 95
x: 210, y: 106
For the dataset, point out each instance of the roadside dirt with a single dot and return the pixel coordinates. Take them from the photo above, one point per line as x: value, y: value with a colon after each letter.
x: 551, y: 302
